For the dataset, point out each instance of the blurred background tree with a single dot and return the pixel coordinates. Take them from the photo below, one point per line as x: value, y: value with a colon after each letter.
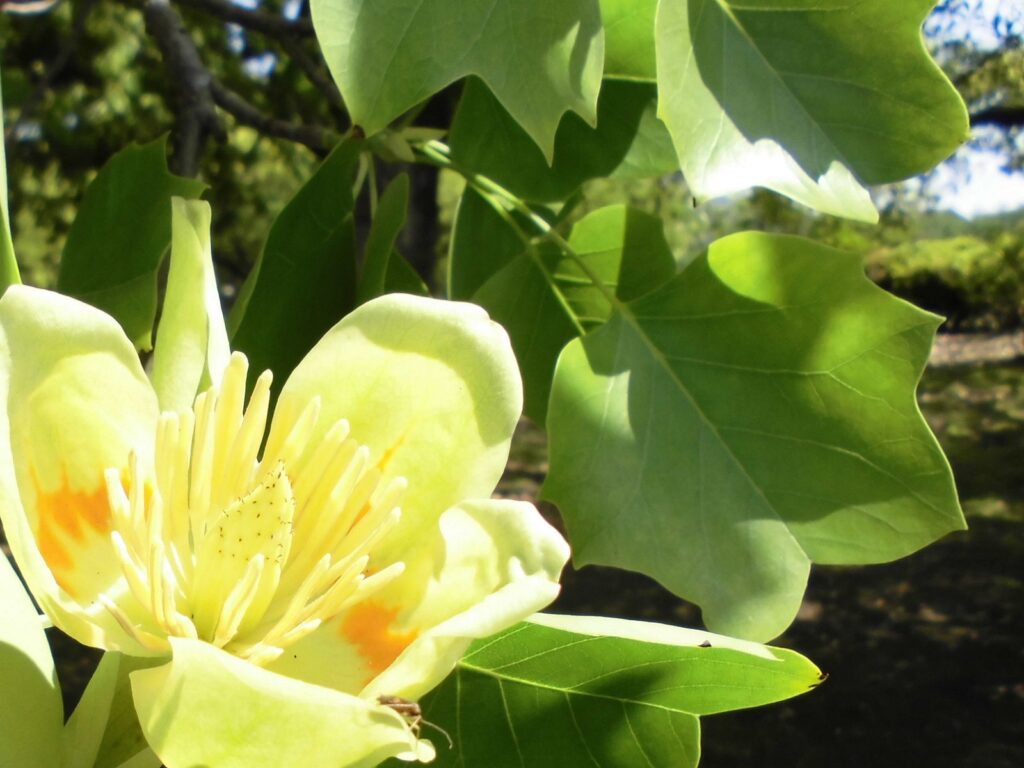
x: 243, y: 91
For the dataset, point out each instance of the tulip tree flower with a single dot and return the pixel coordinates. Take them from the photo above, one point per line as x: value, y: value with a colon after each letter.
x: 288, y: 576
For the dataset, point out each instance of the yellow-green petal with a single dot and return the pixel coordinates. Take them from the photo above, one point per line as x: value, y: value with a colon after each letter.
x: 487, y: 565
x: 76, y: 402
x: 206, y: 707
x: 431, y: 387
x: 191, y: 348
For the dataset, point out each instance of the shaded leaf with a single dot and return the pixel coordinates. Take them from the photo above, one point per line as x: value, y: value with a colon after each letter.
x: 120, y: 235
x: 305, y: 278
x: 103, y: 731
x: 753, y: 415
x: 629, y: 141
x: 541, y: 59
x: 402, y: 278
x: 482, y: 242
x: 380, y: 243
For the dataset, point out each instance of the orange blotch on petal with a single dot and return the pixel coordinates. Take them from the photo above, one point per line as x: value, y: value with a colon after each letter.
x: 66, y: 516
x: 368, y: 627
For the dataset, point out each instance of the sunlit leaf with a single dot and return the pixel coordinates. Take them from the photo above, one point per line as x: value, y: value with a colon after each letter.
x: 629, y: 38
x: 810, y: 98
x: 541, y: 59
x: 584, y: 691
x: 753, y: 415
x: 120, y: 235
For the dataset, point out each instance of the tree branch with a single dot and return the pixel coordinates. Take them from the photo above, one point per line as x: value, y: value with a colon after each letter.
x: 192, y: 83
x: 260, y: 21
x: 1004, y: 117
x: 312, y: 136
x: 316, y: 76
x: 28, y: 109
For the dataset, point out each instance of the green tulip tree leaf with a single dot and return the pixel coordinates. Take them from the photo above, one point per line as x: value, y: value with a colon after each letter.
x: 120, y: 235
x: 31, y: 711
x: 629, y: 141
x: 541, y: 59
x: 103, y: 731
x: 810, y: 98
x: 544, y: 299
x: 388, y: 221
x: 384, y: 269
x: 585, y: 691
x: 482, y: 242
x: 305, y: 278
x: 754, y: 414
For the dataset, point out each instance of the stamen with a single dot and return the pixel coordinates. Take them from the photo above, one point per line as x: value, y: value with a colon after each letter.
x: 201, y: 464
x: 144, y: 638
x: 371, y: 584
x: 239, y: 601
x: 133, y: 571
x: 249, y: 554
x: 367, y: 532
x: 320, y: 522
x: 328, y: 461
x: 262, y: 655
x: 242, y: 459
x: 288, y: 443
x: 227, y: 421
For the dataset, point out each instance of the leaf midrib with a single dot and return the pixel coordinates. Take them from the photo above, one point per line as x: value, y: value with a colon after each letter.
x: 495, y: 674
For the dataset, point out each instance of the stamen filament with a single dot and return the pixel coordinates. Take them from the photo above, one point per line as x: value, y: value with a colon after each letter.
x: 250, y: 554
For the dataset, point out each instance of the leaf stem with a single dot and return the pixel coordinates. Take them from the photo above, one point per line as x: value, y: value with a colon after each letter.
x: 501, y: 199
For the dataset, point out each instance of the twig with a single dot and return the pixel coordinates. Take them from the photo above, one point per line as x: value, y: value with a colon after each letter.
x: 260, y: 21
x: 192, y: 83
x: 312, y: 136
x: 1004, y: 117
x: 316, y: 76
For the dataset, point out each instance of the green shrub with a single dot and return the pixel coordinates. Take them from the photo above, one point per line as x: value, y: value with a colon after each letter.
x: 975, y: 284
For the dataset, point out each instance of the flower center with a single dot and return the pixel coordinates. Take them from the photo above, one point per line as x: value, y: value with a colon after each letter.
x: 246, y: 552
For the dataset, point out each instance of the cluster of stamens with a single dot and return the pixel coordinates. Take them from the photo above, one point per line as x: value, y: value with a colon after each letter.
x: 248, y: 553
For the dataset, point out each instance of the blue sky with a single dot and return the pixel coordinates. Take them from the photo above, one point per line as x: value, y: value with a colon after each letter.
x: 976, y: 180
